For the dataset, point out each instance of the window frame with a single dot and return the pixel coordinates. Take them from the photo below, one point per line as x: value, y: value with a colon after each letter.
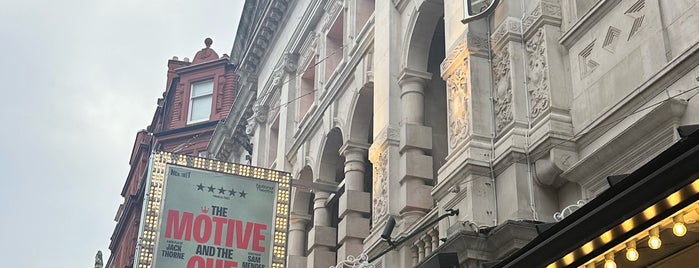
x: 192, y: 98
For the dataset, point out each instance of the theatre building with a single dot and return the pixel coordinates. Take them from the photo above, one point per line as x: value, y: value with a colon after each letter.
x: 398, y: 111
x: 198, y: 95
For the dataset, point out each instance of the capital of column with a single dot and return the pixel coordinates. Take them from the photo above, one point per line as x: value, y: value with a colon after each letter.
x: 353, y: 149
x: 297, y: 223
x: 354, y: 153
x: 418, y: 78
x: 320, y: 197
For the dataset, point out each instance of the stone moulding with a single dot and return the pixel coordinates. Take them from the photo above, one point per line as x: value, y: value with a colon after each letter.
x: 547, y: 12
x: 509, y: 30
x: 470, y: 43
x: 589, y: 20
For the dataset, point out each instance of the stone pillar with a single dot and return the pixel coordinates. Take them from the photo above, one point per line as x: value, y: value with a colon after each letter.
x: 415, y: 142
x: 322, y: 237
x: 297, y: 239
x: 354, y: 204
x: 420, y: 250
x: 427, y: 239
x: 435, y: 238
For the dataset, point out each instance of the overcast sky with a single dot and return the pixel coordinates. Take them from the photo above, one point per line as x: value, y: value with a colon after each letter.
x: 78, y: 80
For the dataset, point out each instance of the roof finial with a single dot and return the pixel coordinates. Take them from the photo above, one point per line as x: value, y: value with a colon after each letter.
x: 208, y: 42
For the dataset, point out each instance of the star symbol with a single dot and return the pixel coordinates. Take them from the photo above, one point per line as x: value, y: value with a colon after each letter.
x: 221, y: 190
x: 211, y: 188
x: 200, y: 187
x: 231, y: 191
x: 243, y: 194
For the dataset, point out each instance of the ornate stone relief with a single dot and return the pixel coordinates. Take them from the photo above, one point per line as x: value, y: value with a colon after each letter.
x: 259, y: 116
x: 547, y: 11
x: 459, y: 94
x: 331, y: 14
x: 509, y: 30
x: 477, y: 43
x: 380, y: 185
x: 503, y: 89
x: 458, y: 49
x: 290, y: 62
x: 260, y: 42
x: 537, y: 74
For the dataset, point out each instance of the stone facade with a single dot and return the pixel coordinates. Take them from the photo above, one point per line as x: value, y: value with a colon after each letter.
x: 396, y: 108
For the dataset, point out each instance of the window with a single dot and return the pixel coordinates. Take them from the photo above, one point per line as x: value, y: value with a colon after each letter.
x: 203, y: 154
x: 200, y: 101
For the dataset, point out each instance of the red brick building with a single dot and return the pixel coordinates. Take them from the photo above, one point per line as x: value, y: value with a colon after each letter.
x: 198, y: 95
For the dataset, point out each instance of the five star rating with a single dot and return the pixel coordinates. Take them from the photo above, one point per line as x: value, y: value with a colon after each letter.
x: 221, y: 190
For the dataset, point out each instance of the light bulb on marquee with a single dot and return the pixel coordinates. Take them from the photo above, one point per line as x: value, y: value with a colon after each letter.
x: 631, y: 252
x: 609, y: 260
x: 654, y: 241
x: 678, y: 226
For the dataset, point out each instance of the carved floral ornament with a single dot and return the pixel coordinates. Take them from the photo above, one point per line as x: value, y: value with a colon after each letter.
x: 458, y: 99
x: 380, y: 185
x: 537, y: 74
x: 503, y: 89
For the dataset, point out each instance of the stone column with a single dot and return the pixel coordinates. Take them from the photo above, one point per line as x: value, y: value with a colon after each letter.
x: 427, y: 239
x: 420, y: 250
x: 297, y: 240
x: 354, y: 204
x: 322, y: 237
x: 416, y: 172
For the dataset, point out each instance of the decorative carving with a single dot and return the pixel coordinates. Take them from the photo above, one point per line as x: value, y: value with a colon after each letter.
x: 546, y: 12
x: 277, y: 78
x: 457, y: 86
x: 219, y: 93
x: 635, y: 12
x: 611, y: 39
x: 361, y: 261
x: 178, y: 102
x: 206, y: 54
x: 537, y: 74
x: 331, y: 14
x: 290, y: 62
x: 503, y: 90
x: 509, y: 30
x: 477, y: 43
x: 458, y: 49
x: 380, y: 186
x: 259, y: 116
x: 98, y: 259
x: 587, y: 65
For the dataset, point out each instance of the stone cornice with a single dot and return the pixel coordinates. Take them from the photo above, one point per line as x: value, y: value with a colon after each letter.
x: 509, y: 30
x: 546, y: 12
x: 263, y: 35
x: 470, y: 43
x: 202, y: 66
x: 587, y: 21
x: 650, y: 133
